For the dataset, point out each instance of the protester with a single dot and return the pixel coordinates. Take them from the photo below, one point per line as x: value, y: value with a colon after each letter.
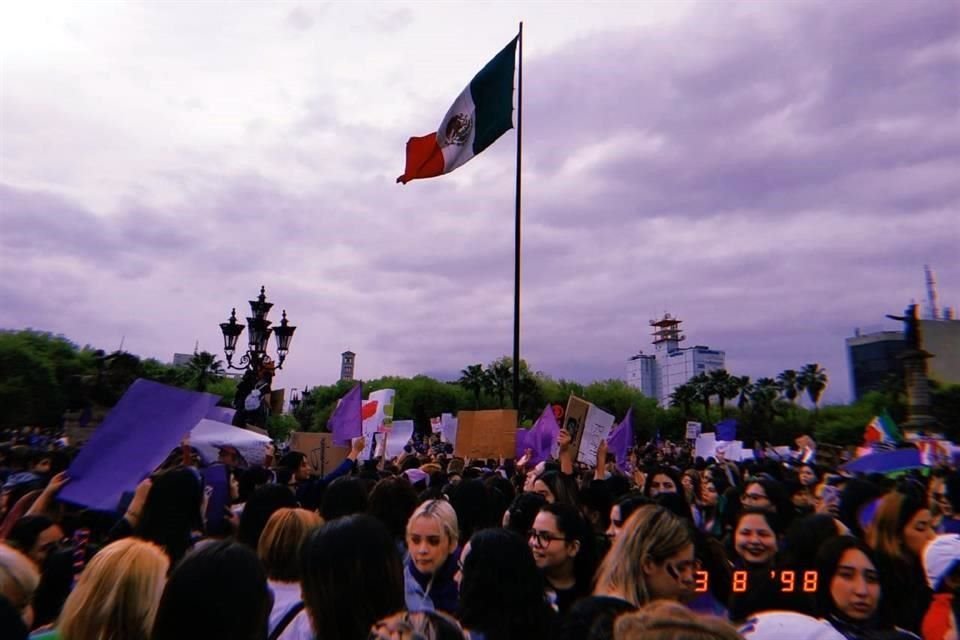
x: 941, y: 563
x: 18, y: 582
x: 352, y: 577
x: 418, y: 625
x: 756, y: 542
x: 621, y: 511
x: 432, y: 537
x: 264, y: 502
x: 217, y: 592
x: 35, y: 536
x: 117, y: 594
x: 665, y: 620
x: 563, y: 550
x: 899, y: 533
x: 501, y: 591
x: 651, y: 559
x: 279, y: 551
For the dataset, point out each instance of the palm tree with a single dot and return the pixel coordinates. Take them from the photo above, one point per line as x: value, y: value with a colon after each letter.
x: 743, y: 388
x: 813, y: 379
x: 683, y: 396
x: 704, y: 388
x: 204, y: 368
x: 790, y: 384
x: 500, y: 380
x: 723, y: 387
x: 474, y: 380
x: 763, y: 397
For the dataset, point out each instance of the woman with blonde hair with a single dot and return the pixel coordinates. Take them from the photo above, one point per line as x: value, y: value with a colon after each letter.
x: 664, y: 620
x: 651, y: 559
x: 117, y: 594
x: 18, y: 582
x: 428, y: 573
x: 279, y: 551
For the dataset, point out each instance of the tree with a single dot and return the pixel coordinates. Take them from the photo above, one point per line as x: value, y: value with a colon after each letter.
x: 202, y: 369
x: 500, y: 380
x: 704, y: 389
x: 474, y: 380
x: 813, y: 379
x: 724, y: 387
x: 743, y: 388
x: 763, y: 398
x: 789, y: 384
x: 683, y: 396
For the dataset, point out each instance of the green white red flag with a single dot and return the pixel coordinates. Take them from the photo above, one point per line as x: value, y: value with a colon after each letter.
x: 481, y: 113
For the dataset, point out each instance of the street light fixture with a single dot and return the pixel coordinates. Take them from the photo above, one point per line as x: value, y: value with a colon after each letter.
x: 258, y: 335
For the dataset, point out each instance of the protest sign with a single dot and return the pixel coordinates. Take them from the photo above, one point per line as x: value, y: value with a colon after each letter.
x: 139, y: 433
x: 276, y: 401
x: 209, y: 436
x: 448, y: 428
x: 436, y: 424
x: 596, y: 427
x: 377, y: 418
x: 486, y: 434
x: 221, y: 414
x: 322, y: 454
x: 399, y: 436
x: 573, y: 419
x: 705, y: 446
x: 693, y: 430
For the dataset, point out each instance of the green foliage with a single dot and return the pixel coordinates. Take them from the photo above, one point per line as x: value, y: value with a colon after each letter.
x: 226, y: 388
x: 280, y: 427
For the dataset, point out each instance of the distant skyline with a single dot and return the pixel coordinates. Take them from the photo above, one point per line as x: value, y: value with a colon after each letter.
x: 774, y: 174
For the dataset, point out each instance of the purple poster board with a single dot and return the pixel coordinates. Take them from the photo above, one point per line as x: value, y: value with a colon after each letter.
x: 137, y: 435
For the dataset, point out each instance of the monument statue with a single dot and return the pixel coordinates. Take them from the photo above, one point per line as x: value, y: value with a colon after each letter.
x: 911, y: 327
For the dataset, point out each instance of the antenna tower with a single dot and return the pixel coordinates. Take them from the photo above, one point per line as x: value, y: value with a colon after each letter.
x: 932, y: 309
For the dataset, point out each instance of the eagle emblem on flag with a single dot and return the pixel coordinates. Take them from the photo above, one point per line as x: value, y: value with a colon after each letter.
x: 456, y: 131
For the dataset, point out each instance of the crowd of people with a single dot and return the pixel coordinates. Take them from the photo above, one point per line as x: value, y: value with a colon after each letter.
x: 429, y: 545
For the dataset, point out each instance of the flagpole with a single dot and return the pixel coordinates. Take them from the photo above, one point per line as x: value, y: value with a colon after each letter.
x: 516, y: 257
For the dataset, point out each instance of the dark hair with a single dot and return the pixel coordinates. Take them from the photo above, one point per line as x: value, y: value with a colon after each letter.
x: 26, y: 530
x: 217, y: 591
x: 856, y: 494
x: 251, y: 479
x: 827, y: 560
x: 392, y: 502
x: 352, y: 576
x: 292, y: 460
x: 563, y: 487
x: 503, y: 609
x: 345, y: 496
x: 171, y: 512
x: 666, y: 471
x: 805, y: 537
x: 258, y: 510
x: 474, y: 506
x: 770, y: 516
x: 571, y: 523
x: 630, y: 503
x: 951, y: 487
x: 523, y: 510
x: 776, y: 493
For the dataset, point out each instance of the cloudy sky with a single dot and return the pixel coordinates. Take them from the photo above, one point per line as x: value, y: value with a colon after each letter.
x: 774, y: 173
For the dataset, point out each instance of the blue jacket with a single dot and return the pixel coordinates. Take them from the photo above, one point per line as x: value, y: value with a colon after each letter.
x: 432, y: 593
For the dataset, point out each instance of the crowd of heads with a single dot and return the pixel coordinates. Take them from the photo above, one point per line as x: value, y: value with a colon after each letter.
x: 429, y: 545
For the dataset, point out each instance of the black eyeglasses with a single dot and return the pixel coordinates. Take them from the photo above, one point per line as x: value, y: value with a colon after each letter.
x: 543, y: 538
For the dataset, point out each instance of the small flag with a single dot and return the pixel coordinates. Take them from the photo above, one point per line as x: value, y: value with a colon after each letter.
x: 480, y: 114
x: 727, y: 429
x: 881, y: 432
x: 542, y: 436
x: 621, y: 440
x: 346, y: 421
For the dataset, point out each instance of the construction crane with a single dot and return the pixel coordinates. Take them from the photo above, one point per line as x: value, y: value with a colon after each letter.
x: 932, y: 309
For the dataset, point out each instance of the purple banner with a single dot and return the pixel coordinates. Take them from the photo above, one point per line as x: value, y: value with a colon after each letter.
x: 137, y: 435
x: 346, y: 422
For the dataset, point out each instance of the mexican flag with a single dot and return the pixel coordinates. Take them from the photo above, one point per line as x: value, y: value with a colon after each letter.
x: 881, y: 430
x: 481, y: 113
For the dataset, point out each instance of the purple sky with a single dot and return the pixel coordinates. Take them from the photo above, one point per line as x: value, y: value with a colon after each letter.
x: 775, y: 174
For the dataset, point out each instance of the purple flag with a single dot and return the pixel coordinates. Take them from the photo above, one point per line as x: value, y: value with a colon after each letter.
x: 727, y: 430
x: 346, y: 422
x: 543, y: 435
x: 523, y: 441
x: 137, y: 435
x: 621, y: 439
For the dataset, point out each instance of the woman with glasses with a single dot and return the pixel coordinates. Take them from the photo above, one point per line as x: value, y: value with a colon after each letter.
x: 651, y: 559
x: 428, y: 575
x: 563, y: 549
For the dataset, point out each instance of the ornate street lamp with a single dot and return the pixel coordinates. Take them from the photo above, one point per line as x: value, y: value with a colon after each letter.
x: 258, y: 336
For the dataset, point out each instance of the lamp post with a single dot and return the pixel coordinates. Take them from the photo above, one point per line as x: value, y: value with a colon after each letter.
x: 255, y: 362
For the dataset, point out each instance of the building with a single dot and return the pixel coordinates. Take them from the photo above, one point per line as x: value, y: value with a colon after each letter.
x: 874, y: 357
x: 873, y: 360
x: 182, y: 359
x: 347, y: 360
x: 656, y: 375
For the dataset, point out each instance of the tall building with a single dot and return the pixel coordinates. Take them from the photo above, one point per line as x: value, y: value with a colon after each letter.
x: 347, y: 360
x: 656, y: 375
x: 874, y: 357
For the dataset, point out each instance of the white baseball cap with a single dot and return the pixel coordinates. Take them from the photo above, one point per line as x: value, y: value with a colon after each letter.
x: 940, y: 557
x: 787, y: 625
